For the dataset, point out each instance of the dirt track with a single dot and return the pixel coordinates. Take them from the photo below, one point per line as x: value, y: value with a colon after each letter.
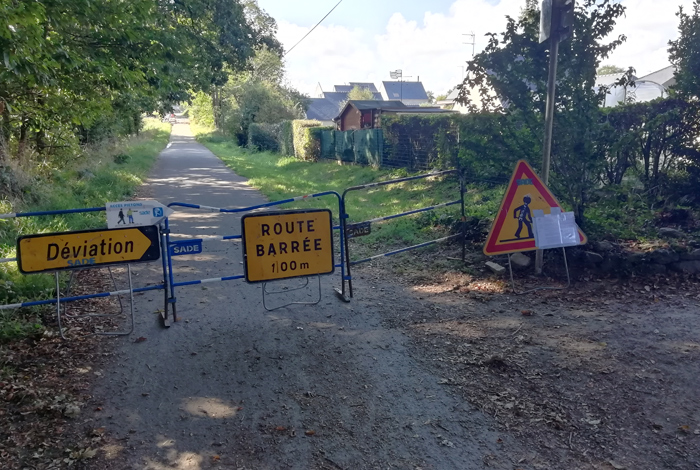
x: 435, y: 369
x: 326, y: 386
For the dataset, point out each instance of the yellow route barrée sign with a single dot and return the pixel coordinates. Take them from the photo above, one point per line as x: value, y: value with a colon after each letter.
x: 70, y: 250
x: 286, y: 244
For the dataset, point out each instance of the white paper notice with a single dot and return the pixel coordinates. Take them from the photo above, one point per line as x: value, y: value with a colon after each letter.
x: 555, y: 230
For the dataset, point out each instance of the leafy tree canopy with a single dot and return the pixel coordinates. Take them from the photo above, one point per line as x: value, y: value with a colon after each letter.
x: 358, y: 93
x: 67, y: 64
x: 684, y: 53
x: 610, y: 69
x: 510, y: 77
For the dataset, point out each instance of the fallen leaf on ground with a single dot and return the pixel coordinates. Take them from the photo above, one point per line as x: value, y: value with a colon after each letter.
x: 527, y: 313
x: 310, y: 432
x: 140, y: 339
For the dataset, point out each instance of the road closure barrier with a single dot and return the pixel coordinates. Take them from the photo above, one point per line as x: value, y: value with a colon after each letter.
x: 362, y: 228
x: 279, y: 244
x: 276, y: 245
x: 88, y: 249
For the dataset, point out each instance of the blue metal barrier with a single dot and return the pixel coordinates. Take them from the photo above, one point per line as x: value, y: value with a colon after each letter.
x: 344, y: 220
x: 172, y: 299
x: 58, y: 299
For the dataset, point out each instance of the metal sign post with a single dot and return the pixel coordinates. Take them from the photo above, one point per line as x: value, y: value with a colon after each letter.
x: 555, y: 24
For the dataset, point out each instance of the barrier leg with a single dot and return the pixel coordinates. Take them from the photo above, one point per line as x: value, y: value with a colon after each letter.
x: 114, y: 284
x: 343, y: 253
x: 568, y: 278
x: 315, y: 302
x: 131, y: 302
x: 167, y: 279
x: 347, y: 263
x: 462, y: 188
x: 58, y: 306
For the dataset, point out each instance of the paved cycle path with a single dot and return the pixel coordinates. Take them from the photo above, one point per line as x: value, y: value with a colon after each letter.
x: 231, y: 385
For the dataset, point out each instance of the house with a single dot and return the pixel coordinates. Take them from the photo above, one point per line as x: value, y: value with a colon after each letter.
x: 450, y: 102
x: 366, y: 114
x: 646, y: 88
x: 322, y: 109
x: 665, y: 77
x: 361, y: 85
x: 327, y: 104
x: 410, y: 93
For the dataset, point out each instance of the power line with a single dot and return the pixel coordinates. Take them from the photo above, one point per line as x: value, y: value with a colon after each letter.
x: 295, y: 45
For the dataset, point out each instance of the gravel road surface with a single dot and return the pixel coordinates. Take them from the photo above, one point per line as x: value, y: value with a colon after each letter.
x: 231, y: 385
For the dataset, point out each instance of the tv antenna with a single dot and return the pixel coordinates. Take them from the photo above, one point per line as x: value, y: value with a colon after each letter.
x: 473, y: 43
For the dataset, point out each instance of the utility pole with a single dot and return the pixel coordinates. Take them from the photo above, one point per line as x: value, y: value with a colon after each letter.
x: 556, y: 24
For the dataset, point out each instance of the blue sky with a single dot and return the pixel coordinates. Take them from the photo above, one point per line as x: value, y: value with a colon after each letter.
x: 362, y: 40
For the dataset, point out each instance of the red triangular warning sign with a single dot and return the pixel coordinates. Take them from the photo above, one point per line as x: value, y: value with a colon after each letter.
x: 512, y: 229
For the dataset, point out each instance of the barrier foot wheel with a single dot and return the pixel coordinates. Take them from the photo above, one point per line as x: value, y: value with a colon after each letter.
x: 165, y: 320
x: 342, y: 296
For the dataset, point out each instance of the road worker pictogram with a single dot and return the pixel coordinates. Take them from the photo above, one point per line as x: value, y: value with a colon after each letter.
x: 512, y: 229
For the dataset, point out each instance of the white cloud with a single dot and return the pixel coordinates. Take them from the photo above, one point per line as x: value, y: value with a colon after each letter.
x: 648, y: 25
x: 434, y: 50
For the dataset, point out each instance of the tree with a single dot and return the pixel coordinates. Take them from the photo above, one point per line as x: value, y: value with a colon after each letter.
x: 510, y: 77
x: 684, y: 53
x: 67, y: 66
x: 257, y: 94
x: 358, y: 93
x: 610, y: 69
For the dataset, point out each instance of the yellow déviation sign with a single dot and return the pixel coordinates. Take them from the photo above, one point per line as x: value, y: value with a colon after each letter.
x: 70, y: 250
x: 286, y: 244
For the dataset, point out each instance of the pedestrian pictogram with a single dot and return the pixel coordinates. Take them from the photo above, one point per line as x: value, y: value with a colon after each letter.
x: 512, y: 230
x: 135, y: 213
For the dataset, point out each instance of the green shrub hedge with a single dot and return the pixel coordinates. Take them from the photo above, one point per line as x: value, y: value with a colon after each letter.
x: 285, y: 138
x: 263, y: 137
x: 307, y: 143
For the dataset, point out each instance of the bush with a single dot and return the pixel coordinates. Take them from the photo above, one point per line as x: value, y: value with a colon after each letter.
x: 285, y: 138
x: 307, y: 143
x: 262, y: 137
x: 121, y: 158
x: 481, y: 143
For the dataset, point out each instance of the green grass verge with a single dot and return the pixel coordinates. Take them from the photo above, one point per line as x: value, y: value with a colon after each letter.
x: 619, y: 216
x: 93, y: 179
x: 279, y: 177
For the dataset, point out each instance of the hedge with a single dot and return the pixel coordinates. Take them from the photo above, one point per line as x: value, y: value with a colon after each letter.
x: 262, y: 137
x: 307, y: 143
x: 285, y: 138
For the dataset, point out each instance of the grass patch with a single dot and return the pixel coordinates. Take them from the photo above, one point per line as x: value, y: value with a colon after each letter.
x: 111, y: 172
x: 279, y: 177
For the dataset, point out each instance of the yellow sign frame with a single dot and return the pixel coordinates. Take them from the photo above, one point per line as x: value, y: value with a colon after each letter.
x: 287, y: 244
x: 50, y: 252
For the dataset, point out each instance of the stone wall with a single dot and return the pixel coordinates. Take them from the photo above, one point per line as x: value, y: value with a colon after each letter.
x: 610, y: 258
